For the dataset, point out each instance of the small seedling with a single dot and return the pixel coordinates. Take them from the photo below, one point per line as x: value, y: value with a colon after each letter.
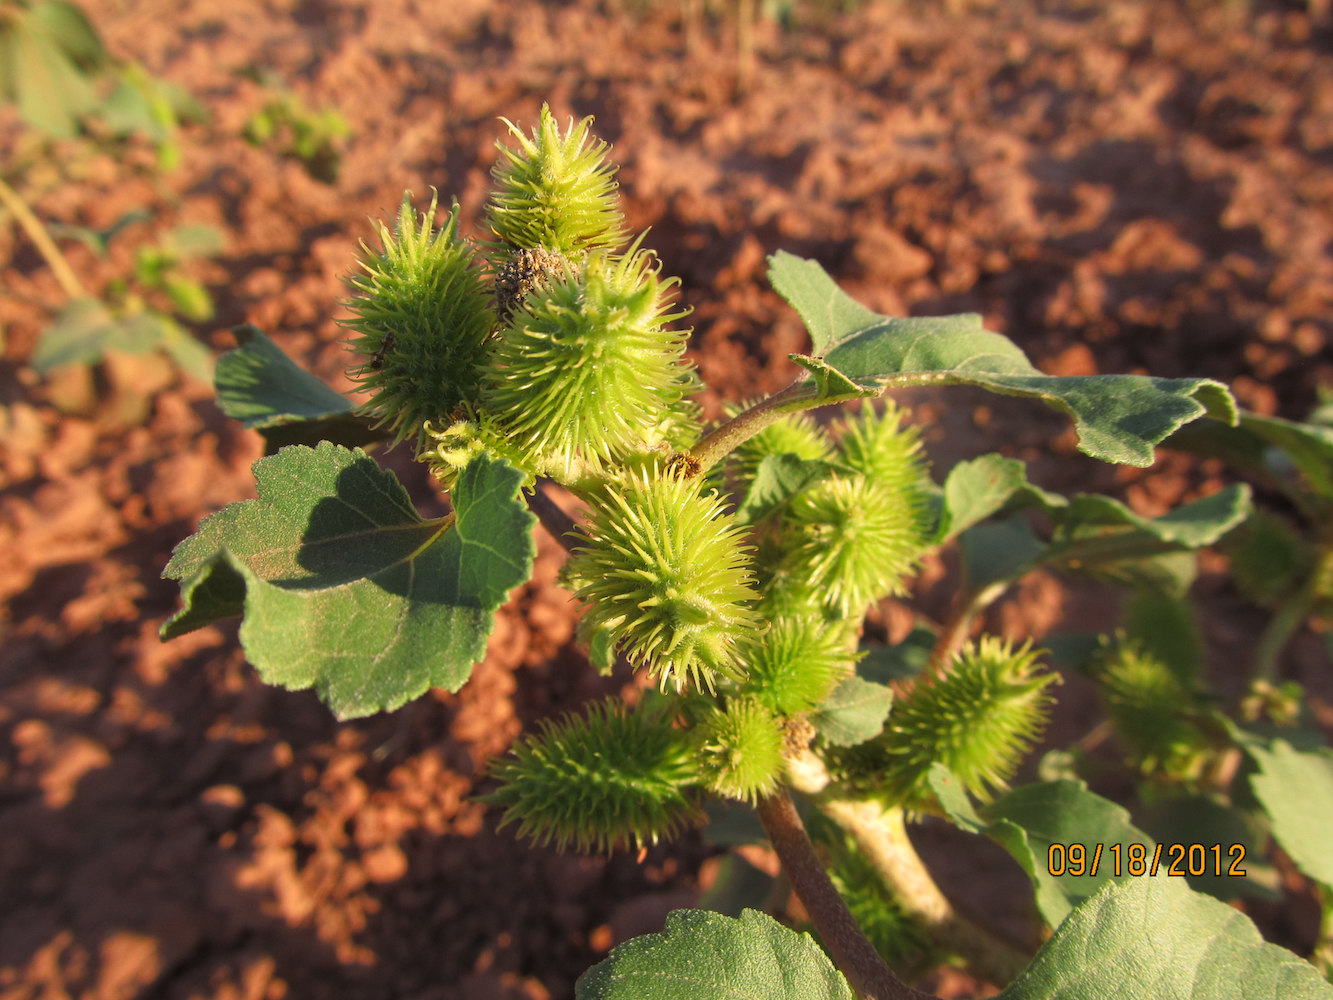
x: 315, y: 138
x: 733, y: 563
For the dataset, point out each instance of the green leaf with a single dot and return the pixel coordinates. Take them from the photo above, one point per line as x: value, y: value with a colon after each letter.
x: 707, y: 956
x: 1029, y: 819
x: 194, y: 241
x: 984, y: 486
x: 1194, y: 819
x: 999, y: 551
x: 1155, y: 939
x: 903, y: 661
x: 72, y: 32
x: 85, y: 329
x: 1296, y: 790
x: 1119, y: 418
x: 778, y: 479
x: 264, y: 389
x: 828, y: 312
x: 345, y: 587
x: 853, y: 712
x: 52, y: 91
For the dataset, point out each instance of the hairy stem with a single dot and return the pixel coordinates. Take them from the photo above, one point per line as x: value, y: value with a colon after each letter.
x: 559, y: 524
x: 740, y: 428
x: 1289, y: 616
x: 881, y: 836
x: 958, y: 626
x: 856, y: 957
x: 41, y: 239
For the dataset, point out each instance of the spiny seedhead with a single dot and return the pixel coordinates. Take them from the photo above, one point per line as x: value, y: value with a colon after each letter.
x: 801, y: 660
x: 587, y: 369
x: 854, y: 541
x: 880, y: 448
x: 795, y: 434
x: 977, y: 720
x: 1166, y: 627
x: 598, y: 781
x: 556, y: 192
x: 739, y: 750
x: 665, y: 573
x: 1269, y: 560
x: 449, y: 449
x: 1155, y: 713
x: 422, y: 317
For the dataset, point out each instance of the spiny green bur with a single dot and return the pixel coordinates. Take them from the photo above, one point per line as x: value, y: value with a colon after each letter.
x: 977, y: 720
x: 587, y: 366
x: 557, y: 192
x: 740, y: 749
x: 421, y: 314
x: 666, y: 575
x: 610, y: 777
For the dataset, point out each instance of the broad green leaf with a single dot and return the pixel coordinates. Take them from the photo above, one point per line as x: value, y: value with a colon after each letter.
x: 1156, y: 939
x: 52, y: 91
x: 707, y: 956
x: 72, y: 32
x: 902, y: 661
x: 85, y: 329
x: 1296, y: 790
x: 1193, y: 819
x: 999, y: 551
x: 1308, y: 446
x: 853, y: 712
x: 778, y: 479
x: 1096, y: 529
x: 194, y: 241
x: 345, y: 588
x: 1029, y: 820
x: 264, y: 389
x: 828, y: 312
x: 1119, y: 418
x: 977, y: 489
x: 190, y: 355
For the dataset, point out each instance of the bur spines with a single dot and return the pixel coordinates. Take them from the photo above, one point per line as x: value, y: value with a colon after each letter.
x: 665, y: 572
x: 557, y: 191
x: 977, y: 720
x: 588, y: 368
x: 597, y: 781
x: 740, y: 749
x: 421, y: 313
x: 882, y: 449
x: 795, y: 433
x: 801, y: 659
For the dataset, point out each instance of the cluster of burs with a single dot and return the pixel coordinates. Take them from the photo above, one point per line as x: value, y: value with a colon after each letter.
x: 550, y: 344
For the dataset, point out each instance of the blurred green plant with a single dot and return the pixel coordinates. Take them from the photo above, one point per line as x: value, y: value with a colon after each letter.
x: 315, y: 138
x: 55, y: 69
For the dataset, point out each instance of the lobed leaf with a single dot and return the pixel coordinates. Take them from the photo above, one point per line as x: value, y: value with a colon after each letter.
x: 984, y: 486
x: 1119, y: 418
x: 708, y: 956
x: 344, y: 588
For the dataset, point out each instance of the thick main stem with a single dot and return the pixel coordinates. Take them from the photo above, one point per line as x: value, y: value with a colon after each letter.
x: 868, y: 973
x: 881, y: 835
x: 41, y: 239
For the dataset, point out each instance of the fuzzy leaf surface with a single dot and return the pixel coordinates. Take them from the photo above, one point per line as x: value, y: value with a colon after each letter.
x: 1296, y: 790
x: 1156, y: 939
x: 853, y: 712
x: 1029, y: 819
x: 708, y: 956
x: 259, y: 385
x: 984, y: 486
x: 344, y: 588
x: 1119, y: 418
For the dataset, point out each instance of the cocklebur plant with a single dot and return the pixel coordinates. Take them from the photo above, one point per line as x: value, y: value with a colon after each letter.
x: 733, y: 564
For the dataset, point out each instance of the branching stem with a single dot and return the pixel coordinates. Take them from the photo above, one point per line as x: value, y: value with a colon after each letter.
x: 740, y: 428
x: 868, y: 973
x: 41, y: 239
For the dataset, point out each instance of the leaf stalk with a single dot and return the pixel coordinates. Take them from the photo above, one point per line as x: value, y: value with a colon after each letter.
x: 41, y: 239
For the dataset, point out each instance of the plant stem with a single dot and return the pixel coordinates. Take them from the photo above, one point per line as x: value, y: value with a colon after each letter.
x: 740, y: 428
x: 46, y: 246
x: 559, y: 524
x: 1322, y: 958
x: 868, y: 973
x: 881, y: 835
x: 958, y: 626
x: 1289, y: 616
